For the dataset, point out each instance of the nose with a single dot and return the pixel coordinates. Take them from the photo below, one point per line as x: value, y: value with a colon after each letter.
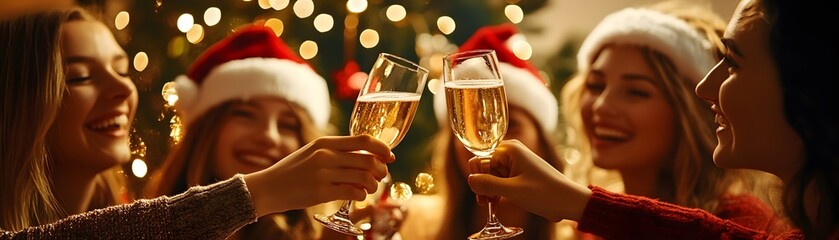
x: 604, y: 104
x: 119, y: 88
x: 270, y: 135
x: 709, y: 87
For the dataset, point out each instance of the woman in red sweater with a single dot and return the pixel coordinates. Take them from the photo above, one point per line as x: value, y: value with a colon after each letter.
x: 771, y: 96
x: 633, y: 110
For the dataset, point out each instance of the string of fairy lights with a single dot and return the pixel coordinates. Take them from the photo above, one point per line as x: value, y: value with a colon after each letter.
x: 431, y: 46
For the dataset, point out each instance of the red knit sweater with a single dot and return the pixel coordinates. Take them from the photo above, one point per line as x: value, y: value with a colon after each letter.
x: 620, y: 216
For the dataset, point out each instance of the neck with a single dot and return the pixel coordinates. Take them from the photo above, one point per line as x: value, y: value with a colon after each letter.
x: 640, y: 183
x: 73, y: 188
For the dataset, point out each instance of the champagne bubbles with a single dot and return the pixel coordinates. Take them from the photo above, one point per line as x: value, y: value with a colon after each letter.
x: 424, y: 183
x: 401, y: 191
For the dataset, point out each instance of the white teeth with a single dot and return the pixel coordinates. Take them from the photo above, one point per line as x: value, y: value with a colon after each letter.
x: 118, y: 121
x: 258, y: 160
x: 609, y: 133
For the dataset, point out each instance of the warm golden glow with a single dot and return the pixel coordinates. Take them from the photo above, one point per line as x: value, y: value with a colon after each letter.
x: 169, y: 93
x: 212, y: 16
x: 304, y: 8
x: 324, y: 22
x: 185, y: 22
x: 121, y: 20
x: 308, y: 49
x: 278, y: 4
x: 369, y: 38
x: 514, y: 13
x: 446, y: 25
x: 196, y: 34
x: 357, y: 6
x: 141, y: 61
x: 139, y: 168
x: 396, y: 13
x: 264, y: 4
x: 176, y: 46
x: 276, y: 25
x: 522, y: 49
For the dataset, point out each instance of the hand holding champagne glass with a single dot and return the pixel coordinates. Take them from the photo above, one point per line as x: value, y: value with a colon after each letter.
x: 384, y: 109
x: 477, y: 107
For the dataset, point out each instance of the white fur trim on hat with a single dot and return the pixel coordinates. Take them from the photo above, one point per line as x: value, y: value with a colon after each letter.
x: 253, y: 77
x: 523, y: 89
x: 690, y: 52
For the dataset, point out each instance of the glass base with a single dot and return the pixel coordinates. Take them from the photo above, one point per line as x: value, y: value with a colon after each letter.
x: 496, y: 231
x: 341, y: 224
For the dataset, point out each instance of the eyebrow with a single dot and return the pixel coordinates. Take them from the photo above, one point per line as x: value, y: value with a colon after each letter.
x: 75, y: 59
x: 731, y: 46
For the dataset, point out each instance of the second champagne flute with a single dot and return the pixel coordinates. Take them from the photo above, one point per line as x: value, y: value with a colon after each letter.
x: 477, y: 107
x: 384, y: 109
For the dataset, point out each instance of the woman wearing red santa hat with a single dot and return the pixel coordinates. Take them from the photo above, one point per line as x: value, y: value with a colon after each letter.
x: 246, y: 102
x: 634, y: 112
x: 74, y: 105
x: 453, y: 212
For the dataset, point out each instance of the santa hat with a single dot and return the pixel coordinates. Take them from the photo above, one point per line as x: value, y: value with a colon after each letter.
x: 249, y: 63
x: 669, y: 35
x: 522, y: 82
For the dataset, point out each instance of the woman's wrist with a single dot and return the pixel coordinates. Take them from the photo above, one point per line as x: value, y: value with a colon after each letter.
x: 579, y: 201
x: 262, y: 203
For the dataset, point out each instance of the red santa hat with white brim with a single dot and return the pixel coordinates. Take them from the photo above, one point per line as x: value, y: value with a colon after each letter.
x: 522, y: 83
x: 669, y: 35
x: 252, y: 62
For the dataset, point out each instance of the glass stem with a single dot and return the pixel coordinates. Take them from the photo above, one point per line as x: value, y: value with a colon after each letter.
x: 491, y: 219
x: 345, y: 209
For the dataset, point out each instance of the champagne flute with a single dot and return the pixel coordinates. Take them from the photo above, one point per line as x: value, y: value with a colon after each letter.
x: 477, y: 107
x: 384, y: 109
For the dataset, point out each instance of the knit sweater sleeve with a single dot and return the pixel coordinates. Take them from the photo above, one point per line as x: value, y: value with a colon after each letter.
x: 620, y: 216
x: 203, y: 212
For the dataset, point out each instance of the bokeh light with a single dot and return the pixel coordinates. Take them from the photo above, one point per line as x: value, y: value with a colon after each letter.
x: 304, y: 8
x: 395, y: 13
x: 514, y: 13
x: 357, y: 6
x: 446, y: 24
x: 324, y: 22
x: 185, y: 22
x: 369, y: 38
x: 196, y: 34
x: 308, y: 49
x: 121, y: 20
x: 276, y: 25
x: 139, y: 168
x: 141, y: 61
x: 212, y: 16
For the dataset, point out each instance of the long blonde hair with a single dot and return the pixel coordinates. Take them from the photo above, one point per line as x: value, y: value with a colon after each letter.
x: 189, y: 164
x: 33, y: 78
x: 690, y: 178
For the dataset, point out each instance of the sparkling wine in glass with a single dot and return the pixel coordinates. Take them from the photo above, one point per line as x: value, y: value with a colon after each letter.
x: 477, y: 107
x: 384, y: 109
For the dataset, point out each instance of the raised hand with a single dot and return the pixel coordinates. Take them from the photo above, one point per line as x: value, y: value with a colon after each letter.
x: 527, y: 180
x: 327, y: 169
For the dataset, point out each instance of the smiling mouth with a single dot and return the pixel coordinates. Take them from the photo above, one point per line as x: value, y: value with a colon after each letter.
x: 610, y: 134
x: 115, y: 123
